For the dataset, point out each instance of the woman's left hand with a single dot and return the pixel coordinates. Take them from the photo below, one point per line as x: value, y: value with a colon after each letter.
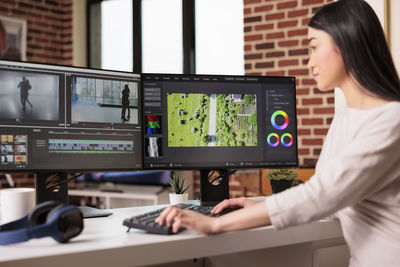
x: 195, y: 221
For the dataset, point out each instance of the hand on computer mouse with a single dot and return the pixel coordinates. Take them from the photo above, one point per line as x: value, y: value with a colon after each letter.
x: 241, y: 202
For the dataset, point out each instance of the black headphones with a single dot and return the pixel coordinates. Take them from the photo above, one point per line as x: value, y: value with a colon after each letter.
x: 60, y: 221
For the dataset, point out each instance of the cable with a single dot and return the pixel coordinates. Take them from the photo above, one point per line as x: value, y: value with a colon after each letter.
x: 64, y: 181
x: 51, y: 178
x: 221, y: 176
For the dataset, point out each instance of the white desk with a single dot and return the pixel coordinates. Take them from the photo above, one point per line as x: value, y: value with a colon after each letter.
x: 105, y: 242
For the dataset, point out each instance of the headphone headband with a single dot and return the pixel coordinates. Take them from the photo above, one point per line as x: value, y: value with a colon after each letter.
x: 61, y: 222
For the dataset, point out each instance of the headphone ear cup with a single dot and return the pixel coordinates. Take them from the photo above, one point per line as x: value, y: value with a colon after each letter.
x: 38, y: 215
x: 59, y: 206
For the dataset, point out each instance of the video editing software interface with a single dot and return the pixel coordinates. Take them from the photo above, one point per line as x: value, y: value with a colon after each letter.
x: 65, y: 118
x: 207, y: 121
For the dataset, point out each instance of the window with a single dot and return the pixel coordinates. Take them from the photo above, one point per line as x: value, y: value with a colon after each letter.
x: 150, y: 36
x: 162, y: 36
x: 219, y: 37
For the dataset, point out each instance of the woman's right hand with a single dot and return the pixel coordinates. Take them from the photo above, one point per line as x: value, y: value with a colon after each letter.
x: 241, y: 202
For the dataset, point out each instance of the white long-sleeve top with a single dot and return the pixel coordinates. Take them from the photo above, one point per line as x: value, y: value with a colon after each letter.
x: 357, y: 178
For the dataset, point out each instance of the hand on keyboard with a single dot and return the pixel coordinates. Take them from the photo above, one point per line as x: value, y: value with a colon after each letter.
x: 166, y: 217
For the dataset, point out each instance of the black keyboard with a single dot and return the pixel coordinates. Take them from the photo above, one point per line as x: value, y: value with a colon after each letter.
x: 146, y: 221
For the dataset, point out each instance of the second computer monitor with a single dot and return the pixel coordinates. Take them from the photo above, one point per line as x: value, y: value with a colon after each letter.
x: 213, y: 122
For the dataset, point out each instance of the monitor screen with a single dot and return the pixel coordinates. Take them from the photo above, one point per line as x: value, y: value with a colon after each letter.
x: 208, y: 121
x: 55, y: 118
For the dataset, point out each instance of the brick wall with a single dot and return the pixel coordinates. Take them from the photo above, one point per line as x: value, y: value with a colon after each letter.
x: 49, y: 40
x: 49, y: 28
x: 275, y: 43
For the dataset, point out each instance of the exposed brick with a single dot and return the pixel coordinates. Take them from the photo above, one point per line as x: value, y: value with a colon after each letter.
x: 299, y: 72
x: 274, y: 16
x: 308, y: 82
x: 263, y: 8
x: 317, y: 151
x: 298, y: 52
x: 284, y: 63
x: 303, y: 151
x: 253, y: 37
x: 303, y: 91
x: 321, y: 131
x: 311, y: 2
x: 303, y: 111
x: 330, y: 100
x: 314, y: 10
x: 288, y: 43
x: 312, y: 141
x: 253, y: 56
x: 305, y: 21
x: 287, y: 24
x: 261, y: 65
x: 297, y: 13
x: 303, y: 132
x: 275, y: 35
x: 247, y: 2
x: 25, y: 5
x: 312, y: 101
x: 285, y: 5
x: 263, y: 27
x: 247, y: 66
x: 247, y: 29
x: 247, y: 48
x: 246, y: 11
x: 329, y: 110
x: 329, y: 121
x: 299, y: 32
x: 252, y: 19
x: 275, y: 73
x: 275, y: 54
x: 265, y: 46
x: 253, y: 73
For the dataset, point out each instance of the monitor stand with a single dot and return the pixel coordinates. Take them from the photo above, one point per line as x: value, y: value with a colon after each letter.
x: 214, y: 190
x: 60, y: 193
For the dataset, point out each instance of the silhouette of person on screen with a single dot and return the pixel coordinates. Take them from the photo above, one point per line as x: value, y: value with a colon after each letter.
x: 25, y: 86
x: 125, y: 103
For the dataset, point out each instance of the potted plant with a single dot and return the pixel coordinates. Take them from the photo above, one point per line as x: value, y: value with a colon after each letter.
x: 281, y: 179
x: 177, y: 185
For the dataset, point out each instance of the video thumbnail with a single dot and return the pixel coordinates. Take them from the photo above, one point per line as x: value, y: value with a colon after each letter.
x: 28, y: 96
x: 153, y: 124
x: 153, y: 147
x: 104, y: 101
x: 196, y: 120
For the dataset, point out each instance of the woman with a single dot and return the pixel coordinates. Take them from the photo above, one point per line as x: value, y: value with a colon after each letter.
x: 357, y: 176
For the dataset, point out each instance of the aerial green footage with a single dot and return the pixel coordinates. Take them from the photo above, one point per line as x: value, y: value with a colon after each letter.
x: 198, y: 120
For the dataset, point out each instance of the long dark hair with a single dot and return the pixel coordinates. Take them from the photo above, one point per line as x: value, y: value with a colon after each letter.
x: 358, y: 34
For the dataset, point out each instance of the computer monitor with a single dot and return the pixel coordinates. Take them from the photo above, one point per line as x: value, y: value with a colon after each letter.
x: 210, y: 122
x: 59, y: 119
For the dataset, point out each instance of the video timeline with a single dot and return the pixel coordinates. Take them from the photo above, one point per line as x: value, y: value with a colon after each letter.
x: 90, y: 146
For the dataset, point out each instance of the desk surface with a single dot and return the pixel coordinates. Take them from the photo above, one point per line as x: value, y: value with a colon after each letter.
x: 105, y: 242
